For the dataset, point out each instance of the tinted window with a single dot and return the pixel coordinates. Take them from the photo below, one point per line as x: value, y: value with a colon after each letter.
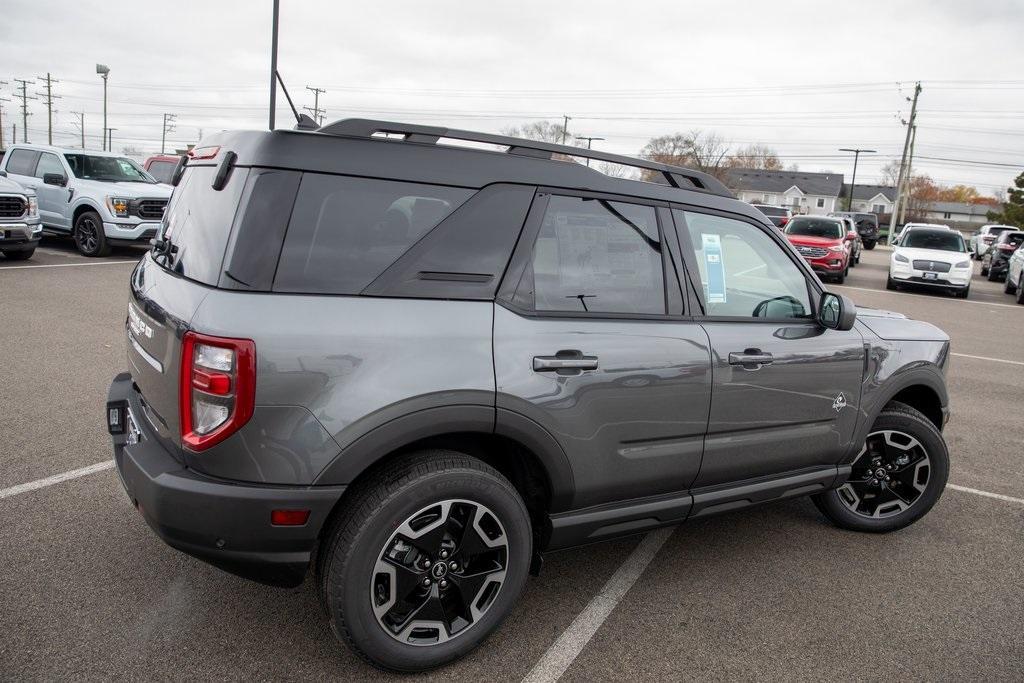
x: 773, y: 210
x: 816, y: 227
x: 597, y: 256
x: 198, y: 222
x: 106, y: 168
x: 744, y: 272
x: 993, y: 231
x: 21, y: 161
x: 48, y: 163
x: 344, y: 232
x: 1014, y: 238
x: 942, y: 240
x: 162, y: 170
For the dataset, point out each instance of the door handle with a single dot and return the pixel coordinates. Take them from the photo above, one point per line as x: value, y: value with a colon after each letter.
x: 572, y: 362
x: 751, y: 359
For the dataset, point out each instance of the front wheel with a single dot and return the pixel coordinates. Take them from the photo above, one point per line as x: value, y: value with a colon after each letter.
x: 20, y: 255
x: 425, y: 561
x: 89, y: 236
x: 984, y: 268
x: 898, y: 476
x: 890, y: 284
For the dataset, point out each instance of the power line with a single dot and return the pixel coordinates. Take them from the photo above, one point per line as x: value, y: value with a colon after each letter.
x: 168, y: 127
x: 24, y: 106
x: 50, y: 97
x: 81, y: 124
x: 316, y: 111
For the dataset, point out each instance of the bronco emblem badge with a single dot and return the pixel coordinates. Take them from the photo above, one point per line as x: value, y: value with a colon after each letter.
x: 839, y: 403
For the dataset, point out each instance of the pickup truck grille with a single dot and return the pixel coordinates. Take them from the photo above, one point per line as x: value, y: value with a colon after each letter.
x: 12, y: 207
x: 812, y: 252
x: 933, y: 266
x: 151, y: 208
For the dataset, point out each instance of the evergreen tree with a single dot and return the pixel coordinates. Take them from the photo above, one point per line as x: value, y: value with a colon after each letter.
x: 1013, y: 209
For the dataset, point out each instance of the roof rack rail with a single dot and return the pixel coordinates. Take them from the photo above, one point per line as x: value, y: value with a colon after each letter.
x: 676, y: 176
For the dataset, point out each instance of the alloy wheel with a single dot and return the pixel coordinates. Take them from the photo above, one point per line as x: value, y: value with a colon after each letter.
x: 888, y: 477
x: 87, y: 235
x: 439, y: 573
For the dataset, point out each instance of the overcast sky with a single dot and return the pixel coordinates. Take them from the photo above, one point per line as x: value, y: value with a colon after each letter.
x: 802, y: 77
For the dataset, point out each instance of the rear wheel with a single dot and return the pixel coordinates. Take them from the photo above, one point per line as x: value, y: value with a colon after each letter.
x: 1020, y: 288
x: 89, y: 236
x: 425, y: 561
x: 1009, y: 287
x: 869, y: 245
x: 20, y: 255
x: 896, y: 479
x: 984, y: 268
x: 993, y: 276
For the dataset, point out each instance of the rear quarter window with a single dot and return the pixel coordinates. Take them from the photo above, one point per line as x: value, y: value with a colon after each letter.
x: 344, y: 231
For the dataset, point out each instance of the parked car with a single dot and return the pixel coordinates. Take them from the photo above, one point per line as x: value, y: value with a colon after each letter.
x: 161, y: 167
x: 853, y: 240
x: 906, y: 226
x: 867, y: 226
x: 778, y: 215
x: 1014, y: 283
x: 20, y: 230
x: 412, y: 367
x: 822, y: 241
x: 996, y: 258
x: 99, y: 198
x: 931, y: 257
x: 983, y: 237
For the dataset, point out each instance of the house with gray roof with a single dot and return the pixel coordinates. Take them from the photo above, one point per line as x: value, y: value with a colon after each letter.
x: 803, y: 192
x: 959, y: 214
x: 876, y: 199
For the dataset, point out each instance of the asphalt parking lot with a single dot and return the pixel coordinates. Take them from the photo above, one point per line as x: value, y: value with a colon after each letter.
x: 87, y: 591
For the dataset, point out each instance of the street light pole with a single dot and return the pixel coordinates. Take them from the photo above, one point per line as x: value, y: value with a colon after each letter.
x: 853, y: 181
x: 104, y: 71
x: 273, y: 63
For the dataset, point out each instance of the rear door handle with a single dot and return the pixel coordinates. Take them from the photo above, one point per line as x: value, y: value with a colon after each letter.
x: 750, y: 358
x: 571, y: 361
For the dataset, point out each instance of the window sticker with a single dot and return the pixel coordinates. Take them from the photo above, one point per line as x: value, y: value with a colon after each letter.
x: 712, y: 248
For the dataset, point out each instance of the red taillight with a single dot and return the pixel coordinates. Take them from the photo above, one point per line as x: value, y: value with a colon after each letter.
x: 783, y: 221
x: 217, y: 390
x: 289, y: 517
x: 203, y: 152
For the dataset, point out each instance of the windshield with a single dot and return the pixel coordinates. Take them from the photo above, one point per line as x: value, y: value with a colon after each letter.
x: 109, y: 169
x: 829, y: 228
x: 940, y: 240
x: 772, y: 210
x: 996, y: 231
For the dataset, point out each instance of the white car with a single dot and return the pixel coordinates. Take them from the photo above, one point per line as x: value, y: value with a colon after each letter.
x: 1015, y: 276
x: 908, y: 226
x: 931, y: 257
x: 984, y: 237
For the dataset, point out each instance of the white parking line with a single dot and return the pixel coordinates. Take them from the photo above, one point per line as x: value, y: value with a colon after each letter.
x: 930, y: 297
x: 993, y: 360
x: 56, y: 479
x: 67, y: 265
x: 986, y: 494
x: 564, y: 651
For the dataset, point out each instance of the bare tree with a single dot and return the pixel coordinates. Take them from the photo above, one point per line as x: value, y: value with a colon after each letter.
x: 698, y: 150
x: 756, y: 156
x: 891, y: 173
x: 543, y: 131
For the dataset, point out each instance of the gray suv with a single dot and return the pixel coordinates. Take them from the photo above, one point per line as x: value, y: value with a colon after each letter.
x: 99, y: 198
x: 411, y: 360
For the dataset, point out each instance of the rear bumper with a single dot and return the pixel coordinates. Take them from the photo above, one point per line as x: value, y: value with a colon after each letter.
x: 223, y: 523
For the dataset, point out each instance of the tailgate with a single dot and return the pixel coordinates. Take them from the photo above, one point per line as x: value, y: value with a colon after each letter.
x: 160, y: 306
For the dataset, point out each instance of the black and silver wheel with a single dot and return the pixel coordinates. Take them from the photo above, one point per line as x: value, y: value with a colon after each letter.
x: 425, y: 561
x: 89, y: 236
x: 898, y: 476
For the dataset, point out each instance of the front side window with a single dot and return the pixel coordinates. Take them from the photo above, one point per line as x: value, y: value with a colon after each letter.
x: 48, y: 163
x: 597, y: 256
x: 743, y: 271
x: 107, y: 169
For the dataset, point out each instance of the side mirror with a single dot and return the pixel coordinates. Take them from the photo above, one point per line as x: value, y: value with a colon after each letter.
x: 836, y: 312
x: 58, y: 179
x: 3, y: 174
x: 850, y: 236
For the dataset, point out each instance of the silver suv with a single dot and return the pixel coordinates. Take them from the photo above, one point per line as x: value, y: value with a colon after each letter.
x: 19, y: 220
x: 99, y: 198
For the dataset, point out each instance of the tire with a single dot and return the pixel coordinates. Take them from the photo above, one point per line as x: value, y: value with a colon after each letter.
x: 1008, y: 286
x: 89, y: 236
x: 869, y: 245
x: 360, y: 589
x: 20, y: 255
x: 993, y: 276
x: 919, y: 483
x: 984, y: 270
x: 841, y: 278
x: 1020, y: 288
x: 963, y: 294
x: 890, y: 284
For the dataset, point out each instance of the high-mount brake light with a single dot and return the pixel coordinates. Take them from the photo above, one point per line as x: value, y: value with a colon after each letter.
x: 197, y: 153
x: 217, y: 388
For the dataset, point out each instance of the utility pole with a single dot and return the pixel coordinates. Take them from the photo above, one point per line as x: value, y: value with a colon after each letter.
x: 853, y: 182
x: 50, y: 97
x: 316, y: 111
x: 903, y: 160
x: 24, y: 107
x: 109, y: 139
x: 565, y: 127
x: 81, y: 124
x: 169, y: 120
x: 910, y: 170
x: 273, y: 62
x: 589, y: 140
x: 2, y: 100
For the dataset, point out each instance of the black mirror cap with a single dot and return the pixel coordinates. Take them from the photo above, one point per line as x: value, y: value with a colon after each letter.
x: 3, y: 174
x: 58, y: 179
x: 836, y: 312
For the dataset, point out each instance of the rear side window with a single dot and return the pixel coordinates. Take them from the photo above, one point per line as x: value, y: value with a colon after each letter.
x: 346, y: 231
x: 162, y: 170
x: 21, y: 162
x: 198, y: 223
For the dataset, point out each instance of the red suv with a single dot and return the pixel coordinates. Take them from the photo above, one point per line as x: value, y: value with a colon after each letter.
x: 162, y: 167
x: 823, y: 242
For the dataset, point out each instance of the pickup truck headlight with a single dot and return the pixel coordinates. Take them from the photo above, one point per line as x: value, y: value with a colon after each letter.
x: 118, y: 206
x: 901, y: 258
x: 963, y: 264
x: 33, y: 207
x: 838, y: 248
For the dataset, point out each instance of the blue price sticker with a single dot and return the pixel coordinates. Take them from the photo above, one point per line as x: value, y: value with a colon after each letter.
x: 712, y: 248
